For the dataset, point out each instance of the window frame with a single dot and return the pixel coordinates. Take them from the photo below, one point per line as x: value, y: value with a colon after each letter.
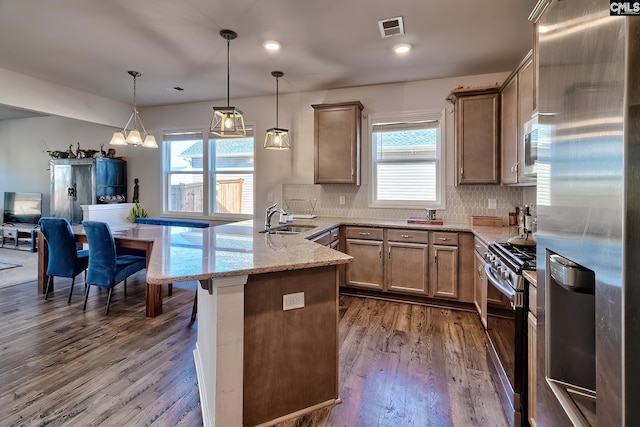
x: 208, y: 175
x: 440, y: 160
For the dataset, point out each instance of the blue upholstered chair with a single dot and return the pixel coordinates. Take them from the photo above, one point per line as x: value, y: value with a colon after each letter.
x: 106, y: 268
x: 64, y: 258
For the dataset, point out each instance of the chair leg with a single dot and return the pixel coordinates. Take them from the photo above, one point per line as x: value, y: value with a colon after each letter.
x: 194, y: 310
x: 125, y: 287
x: 108, y: 301
x: 86, y: 297
x: 73, y: 281
x: 170, y: 289
x: 46, y: 291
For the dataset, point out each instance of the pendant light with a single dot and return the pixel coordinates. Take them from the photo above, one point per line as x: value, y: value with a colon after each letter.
x: 133, y: 136
x: 277, y: 138
x: 227, y: 121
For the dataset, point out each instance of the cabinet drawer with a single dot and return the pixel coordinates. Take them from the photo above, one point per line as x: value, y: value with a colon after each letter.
x: 480, y: 246
x: 364, y: 233
x: 443, y: 238
x: 412, y: 236
x: 335, y: 234
x: 11, y: 233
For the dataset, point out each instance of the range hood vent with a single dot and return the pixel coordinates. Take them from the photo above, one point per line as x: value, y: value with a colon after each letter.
x: 391, y: 26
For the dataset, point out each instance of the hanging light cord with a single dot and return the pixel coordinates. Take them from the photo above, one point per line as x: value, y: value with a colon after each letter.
x: 228, y: 61
x: 277, y: 100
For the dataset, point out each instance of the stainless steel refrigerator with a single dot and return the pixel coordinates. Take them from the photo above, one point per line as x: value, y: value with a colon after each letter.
x: 588, y: 196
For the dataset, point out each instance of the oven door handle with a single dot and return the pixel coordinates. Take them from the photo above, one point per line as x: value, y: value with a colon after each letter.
x: 506, y: 290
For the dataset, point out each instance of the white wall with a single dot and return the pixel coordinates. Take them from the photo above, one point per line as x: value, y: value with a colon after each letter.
x: 23, y: 165
x: 273, y: 168
x: 24, y: 161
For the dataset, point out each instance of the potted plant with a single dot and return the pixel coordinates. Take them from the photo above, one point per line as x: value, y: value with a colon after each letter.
x: 137, y: 211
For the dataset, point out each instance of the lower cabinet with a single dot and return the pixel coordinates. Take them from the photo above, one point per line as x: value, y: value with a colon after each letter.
x: 417, y: 262
x: 445, y: 272
x: 407, y: 262
x: 365, y: 246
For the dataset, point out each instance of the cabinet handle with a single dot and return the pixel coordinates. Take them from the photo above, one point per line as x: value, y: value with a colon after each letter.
x: 380, y: 252
x: 462, y: 172
x: 443, y: 239
x: 352, y: 173
x: 364, y: 234
x: 477, y: 246
x: 389, y: 253
x: 407, y: 236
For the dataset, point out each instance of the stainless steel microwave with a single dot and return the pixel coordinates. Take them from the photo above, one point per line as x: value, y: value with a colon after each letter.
x: 529, y: 156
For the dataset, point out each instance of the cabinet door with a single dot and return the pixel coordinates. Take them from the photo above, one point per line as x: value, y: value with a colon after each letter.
x: 531, y: 362
x: 477, y: 139
x: 509, y: 131
x: 526, y: 108
x: 337, y: 132
x: 406, y: 266
x: 445, y: 272
x: 366, y: 268
x: 480, y: 288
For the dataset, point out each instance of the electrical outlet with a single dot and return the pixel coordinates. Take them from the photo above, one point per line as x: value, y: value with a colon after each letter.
x: 493, y: 204
x: 293, y: 301
x: 343, y: 200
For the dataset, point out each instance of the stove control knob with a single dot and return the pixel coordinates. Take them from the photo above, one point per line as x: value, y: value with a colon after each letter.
x: 487, y: 256
x: 505, y: 274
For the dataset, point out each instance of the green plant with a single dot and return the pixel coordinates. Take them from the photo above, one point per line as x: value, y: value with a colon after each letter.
x: 137, y: 212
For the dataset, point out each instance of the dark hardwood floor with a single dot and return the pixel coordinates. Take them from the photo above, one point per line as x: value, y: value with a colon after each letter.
x: 400, y: 364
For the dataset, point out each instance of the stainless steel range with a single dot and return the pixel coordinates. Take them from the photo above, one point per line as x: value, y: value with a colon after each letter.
x: 507, y: 324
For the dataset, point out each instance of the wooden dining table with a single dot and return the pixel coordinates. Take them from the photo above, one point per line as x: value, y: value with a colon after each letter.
x: 131, y: 236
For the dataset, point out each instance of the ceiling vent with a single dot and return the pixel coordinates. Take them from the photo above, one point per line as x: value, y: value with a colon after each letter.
x: 391, y: 26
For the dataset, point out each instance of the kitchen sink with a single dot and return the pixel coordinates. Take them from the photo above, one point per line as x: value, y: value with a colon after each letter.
x: 288, y: 229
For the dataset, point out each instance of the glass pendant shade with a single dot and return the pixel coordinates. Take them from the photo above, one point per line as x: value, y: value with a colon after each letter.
x: 117, y: 139
x: 133, y: 137
x: 277, y: 138
x: 150, y: 142
x: 228, y: 121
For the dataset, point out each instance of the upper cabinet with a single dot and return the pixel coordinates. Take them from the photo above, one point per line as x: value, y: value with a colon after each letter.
x: 337, y: 134
x: 518, y: 104
x: 477, y: 127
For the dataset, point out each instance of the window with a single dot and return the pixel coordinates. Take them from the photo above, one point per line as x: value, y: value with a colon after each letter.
x: 213, y: 179
x: 407, y: 160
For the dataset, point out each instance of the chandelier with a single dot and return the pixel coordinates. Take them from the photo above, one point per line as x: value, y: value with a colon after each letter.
x: 277, y: 138
x: 133, y: 136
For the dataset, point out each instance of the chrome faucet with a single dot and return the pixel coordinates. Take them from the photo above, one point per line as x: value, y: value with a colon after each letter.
x: 271, y: 210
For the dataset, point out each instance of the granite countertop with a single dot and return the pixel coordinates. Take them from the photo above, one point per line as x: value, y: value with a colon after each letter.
x: 185, y: 254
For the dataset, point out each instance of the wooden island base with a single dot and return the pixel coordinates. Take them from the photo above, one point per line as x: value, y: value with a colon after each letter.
x: 288, y: 359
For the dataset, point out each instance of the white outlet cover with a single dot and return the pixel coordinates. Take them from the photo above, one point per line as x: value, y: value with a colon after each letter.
x: 293, y: 301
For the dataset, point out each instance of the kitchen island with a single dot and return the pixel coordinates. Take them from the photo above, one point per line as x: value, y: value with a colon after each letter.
x: 257, y: 363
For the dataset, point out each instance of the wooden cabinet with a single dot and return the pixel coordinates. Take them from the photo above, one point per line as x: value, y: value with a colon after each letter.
x: 480, y: 288
x: 477, y: 120
x: 418, y: 262
x: 518, y: 103
x: 337, y: 134
x: 532, y: 355
x: 407, y: 262
x: 445, y: 265
x: 365, y: 246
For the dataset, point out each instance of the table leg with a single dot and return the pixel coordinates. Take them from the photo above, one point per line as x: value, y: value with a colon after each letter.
x: 43, y: 261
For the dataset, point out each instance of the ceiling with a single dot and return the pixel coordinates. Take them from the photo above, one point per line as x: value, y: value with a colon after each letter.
x: 326, y: 44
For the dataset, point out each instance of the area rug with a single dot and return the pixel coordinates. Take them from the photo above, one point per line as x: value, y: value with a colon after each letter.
x: 6, y: 265
x: 24, y: 267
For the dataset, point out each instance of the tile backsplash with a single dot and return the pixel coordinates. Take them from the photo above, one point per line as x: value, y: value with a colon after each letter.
x: 461, y: 202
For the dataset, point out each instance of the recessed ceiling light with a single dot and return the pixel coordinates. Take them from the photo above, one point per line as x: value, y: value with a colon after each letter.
x: 402, y: 49
x: 271, y: 45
